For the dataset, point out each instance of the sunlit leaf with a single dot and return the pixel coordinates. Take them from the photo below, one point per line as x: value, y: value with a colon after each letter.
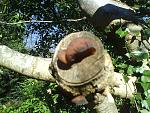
x: 122, y: 66
x: 148, y: 101
x: 145, y: 78
x: 121, y: 33
x: 144, y: 111
x: 139, y: 55
x: 128, y: 55
x: 145, y: 86
x: 139, y: 70
x: 145, y: 104
x: 130, y: 70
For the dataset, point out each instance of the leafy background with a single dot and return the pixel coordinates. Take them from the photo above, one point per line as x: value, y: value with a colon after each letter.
x: 26, y: 95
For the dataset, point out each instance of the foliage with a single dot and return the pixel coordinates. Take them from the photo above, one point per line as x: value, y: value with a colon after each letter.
x: 32, y: 96
x: 10, y: 34
x: 24, y: 95
x: 21, y: 95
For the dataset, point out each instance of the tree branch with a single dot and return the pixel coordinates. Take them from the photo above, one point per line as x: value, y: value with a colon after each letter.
x: 35, y: 67
x: 105, y: 103
x: 36, y: 21
x: 123, y: 89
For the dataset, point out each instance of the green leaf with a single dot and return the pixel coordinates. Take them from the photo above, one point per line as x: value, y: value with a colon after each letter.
x: 145, y: 79
x: 130, y: 70
x: 121, y: 71
x: 144, y: 111
x: 121, y: 33
x: 146, y: 76
x: 139, y: 70
x: 147, y: 73
x: 145, y: 55
x: 147, y: 94
x: 17, y: 15
x: 128, y: 55
x: 139, y: 55
x: 148, y: 101
x: 55, y: 97
x: 145, y: 104
x: 145, y: 86
x: 148, y: 63
x: 122, y: 66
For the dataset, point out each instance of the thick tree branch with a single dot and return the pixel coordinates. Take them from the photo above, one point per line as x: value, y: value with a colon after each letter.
x: 124, y: 89
x: 31, y: 66
x: 105, y: 103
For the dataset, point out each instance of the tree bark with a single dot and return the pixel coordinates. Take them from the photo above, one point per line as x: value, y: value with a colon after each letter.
x: 124, y: 89
x: 77, y: 79
x: 31, y: 66
x: 105, y: 103
x: 135, y: 39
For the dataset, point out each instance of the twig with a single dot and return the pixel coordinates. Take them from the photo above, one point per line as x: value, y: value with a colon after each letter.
x: 36, y: 21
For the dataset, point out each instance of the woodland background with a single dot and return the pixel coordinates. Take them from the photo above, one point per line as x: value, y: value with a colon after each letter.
x: 57, y: 18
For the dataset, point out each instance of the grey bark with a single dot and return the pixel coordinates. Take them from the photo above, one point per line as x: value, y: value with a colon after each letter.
x: 28, y: 65
x: 105, y: 104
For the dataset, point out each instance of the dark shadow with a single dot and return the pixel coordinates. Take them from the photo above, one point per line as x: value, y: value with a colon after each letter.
x: 106, y: 14
x: 78, y: 57
x: 63, y: 66
x: 127, y: 107
x: 117, y: 45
